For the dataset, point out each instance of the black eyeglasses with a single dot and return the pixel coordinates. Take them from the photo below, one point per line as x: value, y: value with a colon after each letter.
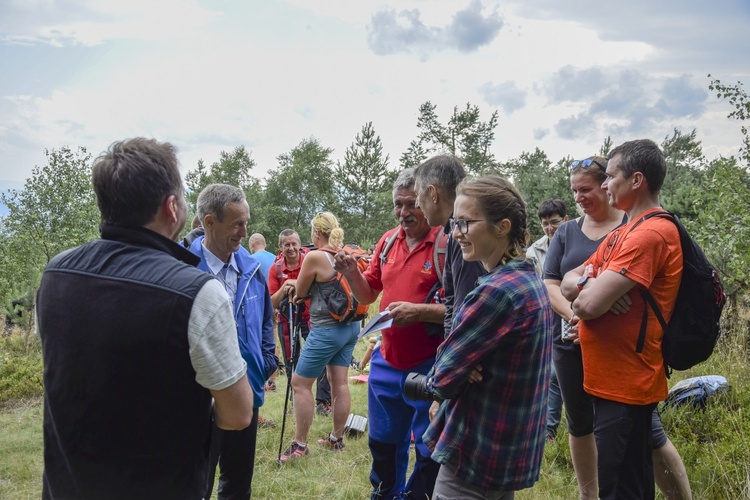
x: 586, y: 163
x: 462, y: 224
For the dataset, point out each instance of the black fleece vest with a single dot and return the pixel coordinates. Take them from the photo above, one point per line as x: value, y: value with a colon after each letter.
x: 123, y: 416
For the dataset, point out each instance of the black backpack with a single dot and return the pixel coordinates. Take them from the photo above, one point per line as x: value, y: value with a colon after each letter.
x: 692, y: 331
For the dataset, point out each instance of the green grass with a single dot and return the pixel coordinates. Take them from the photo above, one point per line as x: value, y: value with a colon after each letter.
x: 714, y: 443
x: 21, y: 450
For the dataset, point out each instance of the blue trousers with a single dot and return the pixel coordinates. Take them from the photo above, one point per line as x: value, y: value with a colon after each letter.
x: 393, y: 420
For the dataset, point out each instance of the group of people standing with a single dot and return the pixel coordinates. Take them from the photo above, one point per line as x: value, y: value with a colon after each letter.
x: 179, y: 360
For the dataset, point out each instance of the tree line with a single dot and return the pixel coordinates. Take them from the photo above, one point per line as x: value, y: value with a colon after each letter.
x: 56, y: 209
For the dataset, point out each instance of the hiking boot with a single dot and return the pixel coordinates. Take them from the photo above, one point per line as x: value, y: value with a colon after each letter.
x: 270, y: 386
x: 324, y: 408
x: 294, y: 452
x: 332, y: 443
x: 265, y: 422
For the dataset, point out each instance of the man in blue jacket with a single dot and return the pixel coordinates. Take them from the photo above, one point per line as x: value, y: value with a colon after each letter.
x: 225, y: 213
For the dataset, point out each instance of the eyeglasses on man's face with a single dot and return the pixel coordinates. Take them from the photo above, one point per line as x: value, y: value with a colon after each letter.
x: 553, y: 223
x: 462, y: 224
x: 586, y: 163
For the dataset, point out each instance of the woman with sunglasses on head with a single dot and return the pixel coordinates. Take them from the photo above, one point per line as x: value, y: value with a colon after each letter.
x: 493, y: 367
x: 572, y: 244
x: 329, y: 345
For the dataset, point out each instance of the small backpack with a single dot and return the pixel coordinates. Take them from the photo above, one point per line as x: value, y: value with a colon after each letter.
x: 697, y: 391
x: 692, y: 331
x: 342, y: 305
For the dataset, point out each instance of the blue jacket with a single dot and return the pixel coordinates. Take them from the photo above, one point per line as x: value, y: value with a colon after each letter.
x: 253, y: 313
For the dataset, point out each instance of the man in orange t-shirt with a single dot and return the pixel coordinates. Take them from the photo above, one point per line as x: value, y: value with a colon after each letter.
x: 626, y: 379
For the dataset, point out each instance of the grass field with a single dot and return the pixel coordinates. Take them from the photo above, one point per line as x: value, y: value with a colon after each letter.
x: 714, y: 443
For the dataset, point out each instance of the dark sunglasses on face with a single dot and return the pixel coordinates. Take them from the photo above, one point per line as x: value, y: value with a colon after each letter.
x: 585, y: 163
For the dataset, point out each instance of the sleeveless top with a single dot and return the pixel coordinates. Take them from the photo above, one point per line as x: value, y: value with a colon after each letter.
x: 319, y: 292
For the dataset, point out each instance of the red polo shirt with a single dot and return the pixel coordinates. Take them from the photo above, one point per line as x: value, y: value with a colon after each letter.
x: 274, y: 282
x: 406, y: 276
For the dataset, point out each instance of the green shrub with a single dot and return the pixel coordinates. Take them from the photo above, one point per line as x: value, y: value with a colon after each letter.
x: 20, y: 368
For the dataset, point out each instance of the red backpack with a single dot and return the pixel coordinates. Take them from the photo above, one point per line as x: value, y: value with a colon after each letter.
x: 342, y: 305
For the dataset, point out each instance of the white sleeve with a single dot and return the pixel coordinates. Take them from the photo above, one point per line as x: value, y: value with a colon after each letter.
x: 212, y: 336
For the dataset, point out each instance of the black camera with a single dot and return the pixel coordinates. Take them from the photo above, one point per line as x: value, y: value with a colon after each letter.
x: 415, y: 387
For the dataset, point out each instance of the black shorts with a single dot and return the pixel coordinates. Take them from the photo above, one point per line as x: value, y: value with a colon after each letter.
x: 624, y: 447
x: 579, y: 407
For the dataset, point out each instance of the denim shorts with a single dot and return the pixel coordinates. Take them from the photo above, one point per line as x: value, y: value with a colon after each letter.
x: 327, y: 345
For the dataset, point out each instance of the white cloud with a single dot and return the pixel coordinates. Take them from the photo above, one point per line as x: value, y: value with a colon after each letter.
x: 92, y: 22
x: 213, y: 75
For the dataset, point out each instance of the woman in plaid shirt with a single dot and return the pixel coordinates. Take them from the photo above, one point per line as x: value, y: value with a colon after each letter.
x: 493, y: 368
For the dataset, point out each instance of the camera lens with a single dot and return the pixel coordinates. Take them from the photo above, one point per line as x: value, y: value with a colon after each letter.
x: 415, y: 388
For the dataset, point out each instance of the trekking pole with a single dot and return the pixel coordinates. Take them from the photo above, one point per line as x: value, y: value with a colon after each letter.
x: 292, y: 327
x: 289, y: 370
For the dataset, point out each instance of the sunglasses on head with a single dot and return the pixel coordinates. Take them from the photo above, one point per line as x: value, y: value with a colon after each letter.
x: 586, y: 163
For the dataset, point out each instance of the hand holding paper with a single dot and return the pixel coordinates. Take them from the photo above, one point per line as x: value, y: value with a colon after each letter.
x: 379, y: 322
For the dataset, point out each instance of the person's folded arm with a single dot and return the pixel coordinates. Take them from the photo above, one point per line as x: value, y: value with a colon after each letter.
x: 569, y: 284
x: 599, y: 294
x: 486, y: 316
x: 560, y: 304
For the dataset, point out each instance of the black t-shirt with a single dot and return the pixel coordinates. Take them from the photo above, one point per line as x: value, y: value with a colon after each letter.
x: 568, y: 249
x: 460, y: 278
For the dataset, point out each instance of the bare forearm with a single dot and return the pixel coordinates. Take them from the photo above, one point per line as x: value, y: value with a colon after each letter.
x: 431, y: 313
x: 559, y: 303
x: 569, y: 285
x: 361, y: 289
x: 277, y: 297
x: 233, y: 406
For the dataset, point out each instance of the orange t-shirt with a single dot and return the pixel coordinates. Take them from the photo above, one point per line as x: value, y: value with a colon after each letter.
x: 651, y: 256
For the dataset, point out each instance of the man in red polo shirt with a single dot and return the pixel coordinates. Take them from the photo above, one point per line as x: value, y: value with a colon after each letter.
x: 287, y: 267
x: 406, y: 275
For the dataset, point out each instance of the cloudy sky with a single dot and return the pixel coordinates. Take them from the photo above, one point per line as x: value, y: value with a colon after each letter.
x: 210, y: 75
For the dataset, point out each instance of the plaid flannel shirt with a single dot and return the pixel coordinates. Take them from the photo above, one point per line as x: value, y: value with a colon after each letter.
x: 493, y: 431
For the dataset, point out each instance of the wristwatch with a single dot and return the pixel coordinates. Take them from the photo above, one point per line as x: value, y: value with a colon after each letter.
x: 582, y: 281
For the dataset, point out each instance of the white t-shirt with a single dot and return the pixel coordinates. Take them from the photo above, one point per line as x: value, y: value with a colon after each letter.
x: 212, y: 336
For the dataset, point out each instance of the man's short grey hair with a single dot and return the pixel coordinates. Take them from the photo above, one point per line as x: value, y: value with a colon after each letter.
x: 442, y: 171
x: 258, y: 237
x: 289, y: 232
x: 404, y: 180
x: 214, y: 199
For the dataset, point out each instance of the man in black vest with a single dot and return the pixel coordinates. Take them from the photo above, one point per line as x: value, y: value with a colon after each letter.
x: 136, y: 342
